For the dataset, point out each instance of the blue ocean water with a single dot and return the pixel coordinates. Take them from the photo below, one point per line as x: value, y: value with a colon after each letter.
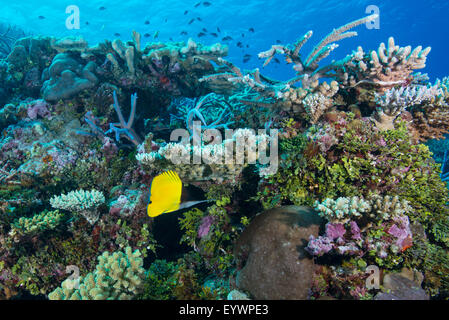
x: 409, y: 22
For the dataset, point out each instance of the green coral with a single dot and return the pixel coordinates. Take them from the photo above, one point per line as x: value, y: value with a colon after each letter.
x: 46, y: 220
x: 118, y: 276
x: 216, y: 246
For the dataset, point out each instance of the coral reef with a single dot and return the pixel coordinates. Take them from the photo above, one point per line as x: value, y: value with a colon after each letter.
x: 349, y: 185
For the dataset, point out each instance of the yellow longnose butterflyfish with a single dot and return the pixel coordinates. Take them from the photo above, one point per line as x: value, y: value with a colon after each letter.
x: 165, y: 195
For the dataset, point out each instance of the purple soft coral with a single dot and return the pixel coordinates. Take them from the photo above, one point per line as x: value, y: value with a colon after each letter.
x: 205, y: 225
x: 38, y: 108
x: 319, y: 246
x: 335, y: 230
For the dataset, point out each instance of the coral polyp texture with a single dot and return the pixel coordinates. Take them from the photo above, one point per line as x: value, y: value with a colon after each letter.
x: 338, y: 170
x: 80, y: 201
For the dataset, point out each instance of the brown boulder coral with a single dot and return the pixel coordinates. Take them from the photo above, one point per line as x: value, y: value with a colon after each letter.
x: 276, y: 266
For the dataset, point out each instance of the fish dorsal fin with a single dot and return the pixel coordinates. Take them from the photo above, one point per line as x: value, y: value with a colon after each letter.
x: 168, y: 181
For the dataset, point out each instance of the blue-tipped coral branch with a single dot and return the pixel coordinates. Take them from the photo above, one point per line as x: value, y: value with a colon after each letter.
x: 124, y: 128
x: 121, y: 129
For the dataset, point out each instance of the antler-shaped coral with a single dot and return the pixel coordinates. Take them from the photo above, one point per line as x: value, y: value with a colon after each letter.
x: 308, y: 70
x: 124, y: 128
x: 204, y: 102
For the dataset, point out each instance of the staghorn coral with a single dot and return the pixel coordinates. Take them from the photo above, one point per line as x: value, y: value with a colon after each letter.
x: 81, y: 202
x: 118, y: 276
x: 308, y: 71
x: 124, y: 128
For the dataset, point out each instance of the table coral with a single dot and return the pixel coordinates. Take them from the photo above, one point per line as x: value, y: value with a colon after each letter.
x: 81, y: 202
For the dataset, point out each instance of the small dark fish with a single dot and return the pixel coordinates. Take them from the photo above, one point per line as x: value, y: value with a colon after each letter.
x: 243, y: 35
x: 199, y: 19
x: 166, y: 19
x: 147, y: 35
x: 204, y: 30
x: 186, y: 12
x: 117, y: 34
x: 278, y: 41
x: 201, y: 34
x: 183, y: 33
x: 156, y: 34
x: 245, y: 60
x: 87, y: 23
x: 251, y: 30
x: 207, y: 4
x: 197, y: 5
x: 239, y: 44
x: 276, y: 60
x: 227, y: 38
x: 247, y: 56
x: 41, y: 17
x: 214, y: 34
x: 247, y: 46
x: 191, y: 21
x: 102, y: 8
x: 171, y: 39
x: 218, y: 30
x: 147, y: 22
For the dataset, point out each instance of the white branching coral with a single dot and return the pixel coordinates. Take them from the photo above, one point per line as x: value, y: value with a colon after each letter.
x: 81, y: 202
x: 385, y: 68
x: 217, y: 161
x: 315, y: 105
x: 388, y: 207
x: 409, y: 96
x: 344, y: 209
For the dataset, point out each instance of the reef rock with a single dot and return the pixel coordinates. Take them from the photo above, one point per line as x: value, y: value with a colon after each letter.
x: 402, y: 286
x: 272, y: 250
x: 67, y: 77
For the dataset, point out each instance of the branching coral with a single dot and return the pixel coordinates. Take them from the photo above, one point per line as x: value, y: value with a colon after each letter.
x: 124, y: 128
x: 82, y: 202
x: 118, y: 276
x: 388, y: 67
x: 37, y: 223
x: 8, y: 176
x: 215, y: 161
x: 209, y: 107
x: 308, y: 70
x: 342, y: 209
x: 387, y: 232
